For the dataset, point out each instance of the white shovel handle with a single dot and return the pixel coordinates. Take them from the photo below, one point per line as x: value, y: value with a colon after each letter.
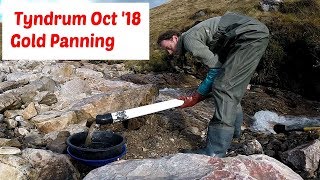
x: 136, y: 112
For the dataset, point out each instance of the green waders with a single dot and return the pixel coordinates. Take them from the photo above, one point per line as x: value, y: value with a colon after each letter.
x: 241, y: 43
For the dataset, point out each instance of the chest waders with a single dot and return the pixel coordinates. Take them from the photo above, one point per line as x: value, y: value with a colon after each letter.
x: 240, y: 43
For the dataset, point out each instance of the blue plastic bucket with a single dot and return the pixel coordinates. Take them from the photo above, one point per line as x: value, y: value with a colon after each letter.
x: 98, y: 163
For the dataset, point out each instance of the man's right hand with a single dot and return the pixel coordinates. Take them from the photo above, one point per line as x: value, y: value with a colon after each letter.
x: 192, y: 100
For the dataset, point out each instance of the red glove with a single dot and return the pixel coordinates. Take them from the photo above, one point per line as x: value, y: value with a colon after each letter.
x: 190, y: 101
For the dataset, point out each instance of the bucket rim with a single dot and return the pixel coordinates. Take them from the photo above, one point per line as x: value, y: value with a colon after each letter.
x: 91, y: 149
x: 98, y: 162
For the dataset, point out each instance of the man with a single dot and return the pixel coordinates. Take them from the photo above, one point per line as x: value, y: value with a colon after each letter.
x: 231, y: 46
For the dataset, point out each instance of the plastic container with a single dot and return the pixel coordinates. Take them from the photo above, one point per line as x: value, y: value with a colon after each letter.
x: 98, y: 163
x: 105, y: 145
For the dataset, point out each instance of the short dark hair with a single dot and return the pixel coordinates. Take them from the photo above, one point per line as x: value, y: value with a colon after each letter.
x: 167, y: 35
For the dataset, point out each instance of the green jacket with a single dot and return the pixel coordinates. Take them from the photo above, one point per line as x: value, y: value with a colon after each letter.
x: 196, y: 41
x: 213, y: 37
x: 211, y: 40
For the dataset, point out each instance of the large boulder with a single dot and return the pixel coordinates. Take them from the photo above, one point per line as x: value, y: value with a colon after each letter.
x: 118, y: 100
x: 305, y: 158
x: 193, y: 166
x: 53, y: 121
x: 13, y: 167
x: 37, y: 164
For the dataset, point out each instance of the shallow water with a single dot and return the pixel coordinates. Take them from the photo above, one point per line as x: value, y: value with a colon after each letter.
x: 96, y: 145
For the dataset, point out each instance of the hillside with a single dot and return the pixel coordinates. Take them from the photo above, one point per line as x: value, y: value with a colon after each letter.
x: 1, y: 40
x: 292, y: 58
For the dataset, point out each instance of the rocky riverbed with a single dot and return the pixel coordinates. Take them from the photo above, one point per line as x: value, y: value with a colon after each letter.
x: 42, y: 103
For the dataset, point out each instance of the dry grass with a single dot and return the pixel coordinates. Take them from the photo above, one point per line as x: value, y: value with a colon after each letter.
x: 177, y: 14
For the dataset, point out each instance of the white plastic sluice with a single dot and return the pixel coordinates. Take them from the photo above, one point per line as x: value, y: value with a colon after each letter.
x: 136, y: 112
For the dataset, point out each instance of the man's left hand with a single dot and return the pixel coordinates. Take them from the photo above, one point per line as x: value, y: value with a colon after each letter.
x: 192, y: 100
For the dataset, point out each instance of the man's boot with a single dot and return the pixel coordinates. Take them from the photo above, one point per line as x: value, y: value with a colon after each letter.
x: 219, y: 138
x: 238, y: 122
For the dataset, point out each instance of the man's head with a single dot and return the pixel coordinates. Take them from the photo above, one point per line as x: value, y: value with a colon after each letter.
x: 169, y: 40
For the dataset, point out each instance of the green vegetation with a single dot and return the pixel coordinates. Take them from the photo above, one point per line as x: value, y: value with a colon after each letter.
x: 294, y: 48
x: 292, y: 57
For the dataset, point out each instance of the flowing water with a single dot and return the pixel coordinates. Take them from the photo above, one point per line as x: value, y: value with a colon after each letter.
x: 88, y: 141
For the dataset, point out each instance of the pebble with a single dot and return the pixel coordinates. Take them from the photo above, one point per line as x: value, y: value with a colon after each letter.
x: 1, y: 117
x: 9, y: 150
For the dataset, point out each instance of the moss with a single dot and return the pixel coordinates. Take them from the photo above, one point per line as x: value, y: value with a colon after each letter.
x: 300, y: 7
x: 291, y: 55
x: 268, y: 68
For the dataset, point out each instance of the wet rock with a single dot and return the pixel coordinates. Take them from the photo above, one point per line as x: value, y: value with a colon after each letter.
x: 253, y: 147
x: 192, y: 166
x: 9, y: 101
x: 29, y: 112
x: 59, y: 144
x: 53, y: 121
x: 305, y: 157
